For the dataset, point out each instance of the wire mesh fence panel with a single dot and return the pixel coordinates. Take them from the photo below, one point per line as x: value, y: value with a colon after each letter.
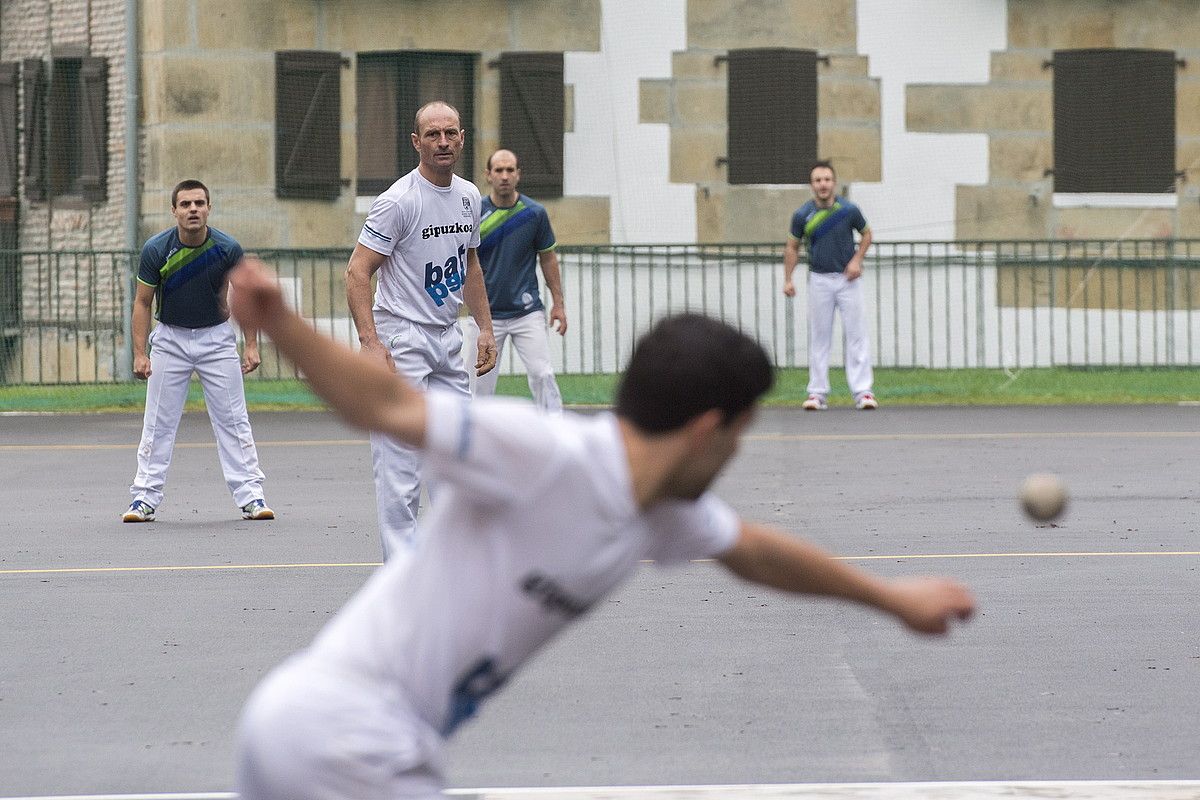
x: 938, y: 305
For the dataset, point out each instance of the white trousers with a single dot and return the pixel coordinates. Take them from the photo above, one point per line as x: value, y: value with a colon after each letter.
x: 313, y: 732
x: 828, y: 292
x: 429, y: 357
x: 175, y: 353
x: 529, y: 336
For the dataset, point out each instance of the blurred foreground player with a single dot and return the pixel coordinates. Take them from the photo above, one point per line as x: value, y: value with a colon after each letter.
x: 542, y: 517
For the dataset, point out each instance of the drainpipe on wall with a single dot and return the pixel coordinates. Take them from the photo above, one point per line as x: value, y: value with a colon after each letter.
x: 133, y: 190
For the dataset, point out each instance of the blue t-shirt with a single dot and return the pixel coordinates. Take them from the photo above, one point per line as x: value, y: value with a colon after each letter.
x: 509, y: 242
x: 828, y: 233
x: 189, y: 281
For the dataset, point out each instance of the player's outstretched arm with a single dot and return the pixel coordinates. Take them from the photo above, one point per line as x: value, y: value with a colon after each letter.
x: 772, y: 558
x: 360, y: 388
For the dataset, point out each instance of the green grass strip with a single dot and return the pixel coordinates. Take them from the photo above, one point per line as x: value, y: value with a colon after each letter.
x: 1058, y: 386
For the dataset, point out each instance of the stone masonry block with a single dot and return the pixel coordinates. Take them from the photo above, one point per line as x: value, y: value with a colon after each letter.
x: 1021, y: 65
x: 266, y: 27
x: 848, y: 99
x: 1105, y: 223
x: 580, y: 220
x: 238, y: 87
x: 699, y: 103
x: 1034, y: 23
x: 825, y: 25
x: 1163, y: 24
x: 1020, y: 157
x: 761, y: 213
x: 694, y: 154
x: 697, y: 64
x: 949, y: 108
x: 1187, y: 108
x: 165, y: 25
x: 999, y: 212
x: 654, y: 100
x: 230, y: 157
x: 855, y: 150
x: 845, y: 65
x: 312, y: 223
x: 563, y: 25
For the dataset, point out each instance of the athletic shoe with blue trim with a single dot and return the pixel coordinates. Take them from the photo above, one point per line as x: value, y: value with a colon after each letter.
x: 257, y: 509
x: 138, y: 511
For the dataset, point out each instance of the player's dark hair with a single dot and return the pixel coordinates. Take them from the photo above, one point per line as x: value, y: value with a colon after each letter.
x: 431, y: 103
x: 686, y: 365
x: 188, y: 185
x: 822, y: 164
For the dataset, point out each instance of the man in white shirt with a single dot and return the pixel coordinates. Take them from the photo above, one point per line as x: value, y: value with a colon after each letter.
x: 540, y: 518
x: 420, y: 237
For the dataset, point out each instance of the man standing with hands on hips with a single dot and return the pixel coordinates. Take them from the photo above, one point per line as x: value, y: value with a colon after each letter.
x: 421, y: 237
x: 514, y: 237
x: 186, y: 269
x: 826, y: 226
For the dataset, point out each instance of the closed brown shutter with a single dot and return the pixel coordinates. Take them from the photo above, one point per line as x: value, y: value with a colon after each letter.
x: 308, y: 121
x: 93, y: 118
x: 772, y: 115
x: 34, y: 107
x: 531, y: 119
x: 1114, y: 120
x: 9, y: 128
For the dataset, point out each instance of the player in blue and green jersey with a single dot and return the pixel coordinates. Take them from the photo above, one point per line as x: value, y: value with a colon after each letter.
x: 825, y: 226
x: 515, y: 238
x: 185, y: 269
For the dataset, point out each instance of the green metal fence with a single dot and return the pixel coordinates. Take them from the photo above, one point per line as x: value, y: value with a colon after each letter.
x: 64, y: 316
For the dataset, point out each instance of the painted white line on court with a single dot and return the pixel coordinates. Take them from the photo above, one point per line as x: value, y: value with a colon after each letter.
x: 927, y: 790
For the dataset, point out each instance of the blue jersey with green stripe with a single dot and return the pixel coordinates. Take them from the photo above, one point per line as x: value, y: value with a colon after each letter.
x: 828, y: 233
x: 189, y: 281
x: 509, y: 241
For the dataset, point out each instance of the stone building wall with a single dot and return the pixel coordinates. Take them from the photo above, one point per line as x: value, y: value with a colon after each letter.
x: 1016, y: 110
x: 693, y: 103
x: 63, y: 295
x: 208, y: 68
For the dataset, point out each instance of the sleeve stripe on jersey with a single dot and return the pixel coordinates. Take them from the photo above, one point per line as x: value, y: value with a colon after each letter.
x: 374, y: 232
x: 550, y: 249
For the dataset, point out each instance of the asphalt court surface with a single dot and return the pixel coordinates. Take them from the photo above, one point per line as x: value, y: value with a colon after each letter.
x: 127, y: 650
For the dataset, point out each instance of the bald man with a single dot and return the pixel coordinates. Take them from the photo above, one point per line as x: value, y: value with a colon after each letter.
x: 515, y: 238
x: 420, y: 237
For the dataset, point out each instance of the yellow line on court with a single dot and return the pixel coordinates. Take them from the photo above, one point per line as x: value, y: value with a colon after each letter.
x: 372, y: 564
x: 184, y: 568
x: 766, y: 437
x: 187, y: 445
x: 918, y: 437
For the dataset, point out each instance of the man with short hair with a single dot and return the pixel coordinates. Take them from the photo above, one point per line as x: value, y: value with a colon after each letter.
x: 420, y: 236
x: 826, y: 225
x: 542, y: 517
x: 514, y: 235
x: 186, y: 268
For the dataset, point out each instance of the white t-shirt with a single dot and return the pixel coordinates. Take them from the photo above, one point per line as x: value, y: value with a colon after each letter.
x: 425, y: 232
x: 535, y: 522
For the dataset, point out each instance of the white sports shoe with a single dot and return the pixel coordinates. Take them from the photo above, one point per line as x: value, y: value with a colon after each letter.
x: 138, y: 511
x: 815, y: 402
x: 257, y: 509
x: 866, y: 402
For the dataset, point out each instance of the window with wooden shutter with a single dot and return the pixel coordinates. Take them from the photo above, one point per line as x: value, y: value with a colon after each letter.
x: 772, y: 115
x: 33, y: 106
x: 63, y: 140
x: 391, y: 86
x: 93, y: 129
x: 9, y: 128
x: 308, y: 120
x: 1114, y: 121
x: 531, y: 119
